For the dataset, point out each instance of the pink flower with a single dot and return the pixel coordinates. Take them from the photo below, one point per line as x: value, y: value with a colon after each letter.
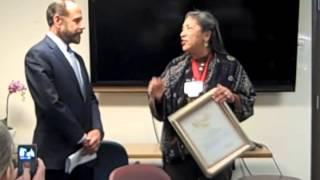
x: 16, y: 86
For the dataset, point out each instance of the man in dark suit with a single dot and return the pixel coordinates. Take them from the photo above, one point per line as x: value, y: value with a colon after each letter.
x: 67, y: 111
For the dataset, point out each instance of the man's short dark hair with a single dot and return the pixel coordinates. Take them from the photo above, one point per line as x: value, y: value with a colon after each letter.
x: 56, y: 8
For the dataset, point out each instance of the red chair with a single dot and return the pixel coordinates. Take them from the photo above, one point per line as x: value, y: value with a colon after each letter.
x: 139, y: 172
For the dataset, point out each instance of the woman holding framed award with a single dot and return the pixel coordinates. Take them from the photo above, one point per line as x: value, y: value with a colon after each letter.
x: 204, y: 65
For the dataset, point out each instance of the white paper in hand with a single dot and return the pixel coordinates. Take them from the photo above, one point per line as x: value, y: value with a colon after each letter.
x: 78, y: 158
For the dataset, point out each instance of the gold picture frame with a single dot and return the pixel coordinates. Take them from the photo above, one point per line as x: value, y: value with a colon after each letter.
x: 211, y: 133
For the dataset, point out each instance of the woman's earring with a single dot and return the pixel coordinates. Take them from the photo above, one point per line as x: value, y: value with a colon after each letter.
x: 206, y: 44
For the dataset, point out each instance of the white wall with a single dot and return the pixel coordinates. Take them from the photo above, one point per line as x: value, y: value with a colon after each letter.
x: 281, y: 120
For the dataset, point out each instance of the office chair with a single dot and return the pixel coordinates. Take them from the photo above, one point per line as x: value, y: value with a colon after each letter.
x: 280, y: 176
x: 139, y: 172
x: 110, y: 156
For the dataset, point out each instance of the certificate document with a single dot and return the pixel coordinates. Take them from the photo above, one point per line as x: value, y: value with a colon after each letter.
x: 211, y: 133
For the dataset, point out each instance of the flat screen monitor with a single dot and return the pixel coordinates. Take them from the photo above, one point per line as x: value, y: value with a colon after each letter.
x: 131, y: 41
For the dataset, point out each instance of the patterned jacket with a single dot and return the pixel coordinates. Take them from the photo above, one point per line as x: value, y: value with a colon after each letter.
x: 223, y: 69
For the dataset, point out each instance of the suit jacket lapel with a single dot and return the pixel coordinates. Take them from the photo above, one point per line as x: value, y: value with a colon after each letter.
x: 63, y: 60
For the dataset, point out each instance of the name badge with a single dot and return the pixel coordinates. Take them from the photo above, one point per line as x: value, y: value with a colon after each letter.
x: 193, y: 88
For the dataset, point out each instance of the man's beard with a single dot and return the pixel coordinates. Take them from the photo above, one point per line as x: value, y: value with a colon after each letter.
x: 76, y: 38
x: 69, y: 37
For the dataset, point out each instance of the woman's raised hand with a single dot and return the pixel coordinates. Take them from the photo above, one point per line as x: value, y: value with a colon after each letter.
x: 156, y: 88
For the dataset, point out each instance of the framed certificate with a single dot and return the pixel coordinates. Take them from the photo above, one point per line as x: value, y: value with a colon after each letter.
x: 211, y: 133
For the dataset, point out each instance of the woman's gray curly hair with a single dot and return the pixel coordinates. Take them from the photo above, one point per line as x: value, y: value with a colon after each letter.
x: 6, y: 149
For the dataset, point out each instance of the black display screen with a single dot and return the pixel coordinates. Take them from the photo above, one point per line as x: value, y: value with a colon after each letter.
x: 131, y: 41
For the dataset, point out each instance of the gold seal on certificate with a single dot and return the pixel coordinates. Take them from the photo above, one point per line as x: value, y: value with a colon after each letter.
x: 211, y: 133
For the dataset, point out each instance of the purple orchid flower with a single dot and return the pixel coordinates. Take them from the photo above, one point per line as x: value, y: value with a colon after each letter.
x: 14, y: 87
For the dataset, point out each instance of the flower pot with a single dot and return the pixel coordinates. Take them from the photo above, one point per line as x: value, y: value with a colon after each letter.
x: 10, y: 129
x: 12, y: 132
x: 4, y: 121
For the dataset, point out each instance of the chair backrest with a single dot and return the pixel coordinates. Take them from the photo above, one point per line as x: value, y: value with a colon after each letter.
x: 139, y: 172
x: 110, y: 156
x: 268, y: 177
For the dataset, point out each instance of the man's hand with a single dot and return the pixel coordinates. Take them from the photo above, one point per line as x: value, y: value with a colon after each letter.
x: 92, y: 142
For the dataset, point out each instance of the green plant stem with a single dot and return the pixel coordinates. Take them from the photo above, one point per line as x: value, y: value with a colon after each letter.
x: 7, y: 110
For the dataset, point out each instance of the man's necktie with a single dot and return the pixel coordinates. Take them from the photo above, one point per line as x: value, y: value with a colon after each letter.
x: 76, y: 68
